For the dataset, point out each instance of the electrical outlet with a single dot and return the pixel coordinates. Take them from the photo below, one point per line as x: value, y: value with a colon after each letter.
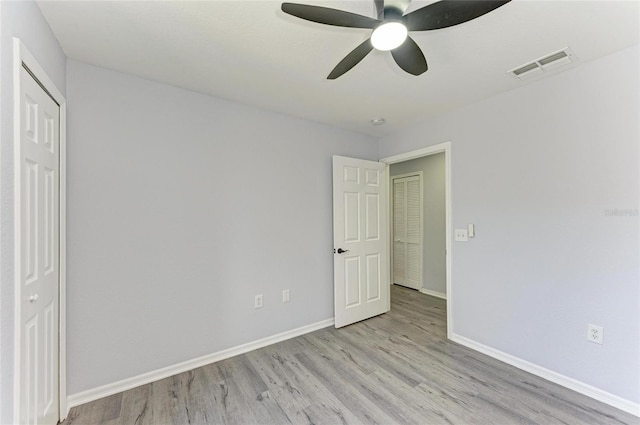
x: 462, y: 235
x: 285, y: 296
x: 595, y: 334
x: 258, y: 301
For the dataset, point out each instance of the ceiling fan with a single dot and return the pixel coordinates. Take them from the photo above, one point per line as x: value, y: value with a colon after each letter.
x: 391, y: 26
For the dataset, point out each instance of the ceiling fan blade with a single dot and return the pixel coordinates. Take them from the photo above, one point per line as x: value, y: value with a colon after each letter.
x: 447, y: 13
x: 351, y: 59
x: 325, y: 15
x: 409, y: 57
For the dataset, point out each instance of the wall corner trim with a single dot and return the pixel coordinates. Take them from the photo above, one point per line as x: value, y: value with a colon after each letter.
x: 567, y: 382
x: 155, y: 375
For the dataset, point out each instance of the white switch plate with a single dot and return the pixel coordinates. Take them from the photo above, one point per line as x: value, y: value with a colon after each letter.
x: 285, y: 296
x: 462, y: 235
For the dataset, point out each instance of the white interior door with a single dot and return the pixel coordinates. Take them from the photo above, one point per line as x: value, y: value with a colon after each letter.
x: 407, y: 231
x: 39, y: 193
x: 360, y: 236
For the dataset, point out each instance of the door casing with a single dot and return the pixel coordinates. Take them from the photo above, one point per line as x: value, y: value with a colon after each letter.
x: 21, y: 55
x: 432, y: 150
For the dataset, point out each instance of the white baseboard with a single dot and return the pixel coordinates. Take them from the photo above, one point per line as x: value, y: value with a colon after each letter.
x: 434, y: 293
x: 573, y: 384
x: 155, y: 375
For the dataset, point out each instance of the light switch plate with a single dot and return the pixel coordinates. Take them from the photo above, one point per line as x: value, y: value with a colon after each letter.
x: 462, y: 235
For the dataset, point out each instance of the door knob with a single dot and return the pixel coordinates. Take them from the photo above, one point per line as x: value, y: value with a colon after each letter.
x: 342, y: 251
x: 33, y: 298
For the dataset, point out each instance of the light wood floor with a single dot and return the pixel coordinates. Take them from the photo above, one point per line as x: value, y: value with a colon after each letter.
x: 397, y: 368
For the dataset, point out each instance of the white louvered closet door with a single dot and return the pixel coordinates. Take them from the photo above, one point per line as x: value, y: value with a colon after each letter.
x: 407, y: 232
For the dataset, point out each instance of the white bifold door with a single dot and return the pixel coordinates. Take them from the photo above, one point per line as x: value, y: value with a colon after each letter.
x: 361, y: 241
x: 407, y: 231
x: 38, y: 248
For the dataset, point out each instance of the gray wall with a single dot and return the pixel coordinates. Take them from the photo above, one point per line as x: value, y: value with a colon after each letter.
x: 434, y: 277
x: 181, y: 208
x: 541, y: 171
x: 20, y: 19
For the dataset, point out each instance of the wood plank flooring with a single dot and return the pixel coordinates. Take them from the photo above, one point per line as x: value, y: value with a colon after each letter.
x: 397, y: 368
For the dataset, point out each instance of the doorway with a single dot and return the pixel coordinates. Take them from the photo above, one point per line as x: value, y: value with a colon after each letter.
x: 436, y: 281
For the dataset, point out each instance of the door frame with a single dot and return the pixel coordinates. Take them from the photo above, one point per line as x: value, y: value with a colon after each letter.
x: 392, y: 199
x: 419, y: 153
x: 21, y: 55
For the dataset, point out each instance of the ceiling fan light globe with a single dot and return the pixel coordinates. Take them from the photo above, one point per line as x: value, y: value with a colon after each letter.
x: 389, y: 35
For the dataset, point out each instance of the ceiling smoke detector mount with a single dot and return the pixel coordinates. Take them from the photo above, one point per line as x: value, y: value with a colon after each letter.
x: 546, y: 63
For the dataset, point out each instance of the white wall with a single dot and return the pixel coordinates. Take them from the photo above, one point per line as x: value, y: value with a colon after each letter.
x: 434, y: 271
x: 20, y: 19
x: 539, y: 170
x: 181, y: 208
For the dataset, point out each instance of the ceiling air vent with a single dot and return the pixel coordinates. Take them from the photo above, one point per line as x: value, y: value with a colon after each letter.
x: 545, y: 63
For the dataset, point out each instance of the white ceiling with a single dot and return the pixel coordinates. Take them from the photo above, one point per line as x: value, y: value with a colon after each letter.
x: 251, y: 52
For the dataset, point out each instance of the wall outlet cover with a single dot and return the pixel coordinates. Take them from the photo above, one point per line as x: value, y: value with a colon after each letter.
x: 258, y: 301
x: 461, y: 235
x: 595, y: 334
